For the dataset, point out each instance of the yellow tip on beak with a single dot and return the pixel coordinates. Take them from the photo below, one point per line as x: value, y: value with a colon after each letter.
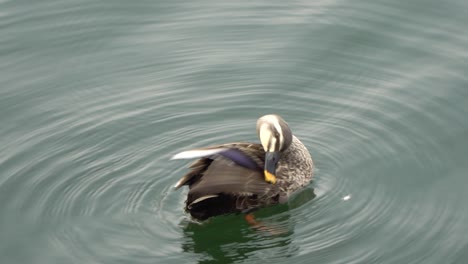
x: 270, y: 178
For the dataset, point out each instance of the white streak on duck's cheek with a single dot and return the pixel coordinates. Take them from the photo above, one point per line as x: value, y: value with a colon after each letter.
x: 265, y: 135
x: 279, y: 130
x: 272, y: 144
x: 273, y: 119
x: 281, y: 139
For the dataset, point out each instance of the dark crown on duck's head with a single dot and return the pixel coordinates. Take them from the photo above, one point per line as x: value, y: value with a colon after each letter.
x: 274, y: 133
x: 275, y: 136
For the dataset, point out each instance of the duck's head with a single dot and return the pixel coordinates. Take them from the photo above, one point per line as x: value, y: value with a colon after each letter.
x: 275, y: 136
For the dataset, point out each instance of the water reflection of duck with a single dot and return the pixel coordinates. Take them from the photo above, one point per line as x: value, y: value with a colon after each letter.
x: 241, y: 177
x: 228, y: 239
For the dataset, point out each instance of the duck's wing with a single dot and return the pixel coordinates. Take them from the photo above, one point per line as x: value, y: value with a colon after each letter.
x: 224, y: 176
x: 231, y: 180
x: 247, y: 155
x: 225, y: 187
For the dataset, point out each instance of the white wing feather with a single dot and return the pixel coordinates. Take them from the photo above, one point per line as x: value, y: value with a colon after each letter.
x: 196, y: 153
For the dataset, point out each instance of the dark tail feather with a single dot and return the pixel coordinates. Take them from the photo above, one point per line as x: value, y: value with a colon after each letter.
x: 211, y: 205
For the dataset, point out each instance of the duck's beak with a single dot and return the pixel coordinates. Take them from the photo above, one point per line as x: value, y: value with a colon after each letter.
x: 271, y: 160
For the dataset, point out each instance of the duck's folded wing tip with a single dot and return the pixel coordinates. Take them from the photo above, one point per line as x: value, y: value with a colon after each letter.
x: 179, y: 183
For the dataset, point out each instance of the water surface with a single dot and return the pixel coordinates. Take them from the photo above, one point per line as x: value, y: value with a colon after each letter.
x: 96, y: 96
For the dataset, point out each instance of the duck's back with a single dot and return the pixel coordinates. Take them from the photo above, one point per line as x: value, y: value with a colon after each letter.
x: 218, y: 185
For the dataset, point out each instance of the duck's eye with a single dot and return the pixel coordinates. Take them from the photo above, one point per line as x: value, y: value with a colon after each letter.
x: 277, y: 134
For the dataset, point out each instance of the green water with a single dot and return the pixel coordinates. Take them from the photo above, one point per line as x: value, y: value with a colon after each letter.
x: 96, y: 96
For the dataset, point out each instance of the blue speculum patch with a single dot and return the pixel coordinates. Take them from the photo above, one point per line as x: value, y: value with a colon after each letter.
x: 240, y: 158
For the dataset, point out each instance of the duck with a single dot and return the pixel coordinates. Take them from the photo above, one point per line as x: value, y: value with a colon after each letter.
x: 241, y: 177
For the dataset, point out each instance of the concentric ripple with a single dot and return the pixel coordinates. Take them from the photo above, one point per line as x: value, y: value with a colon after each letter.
x: 97, y: 96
